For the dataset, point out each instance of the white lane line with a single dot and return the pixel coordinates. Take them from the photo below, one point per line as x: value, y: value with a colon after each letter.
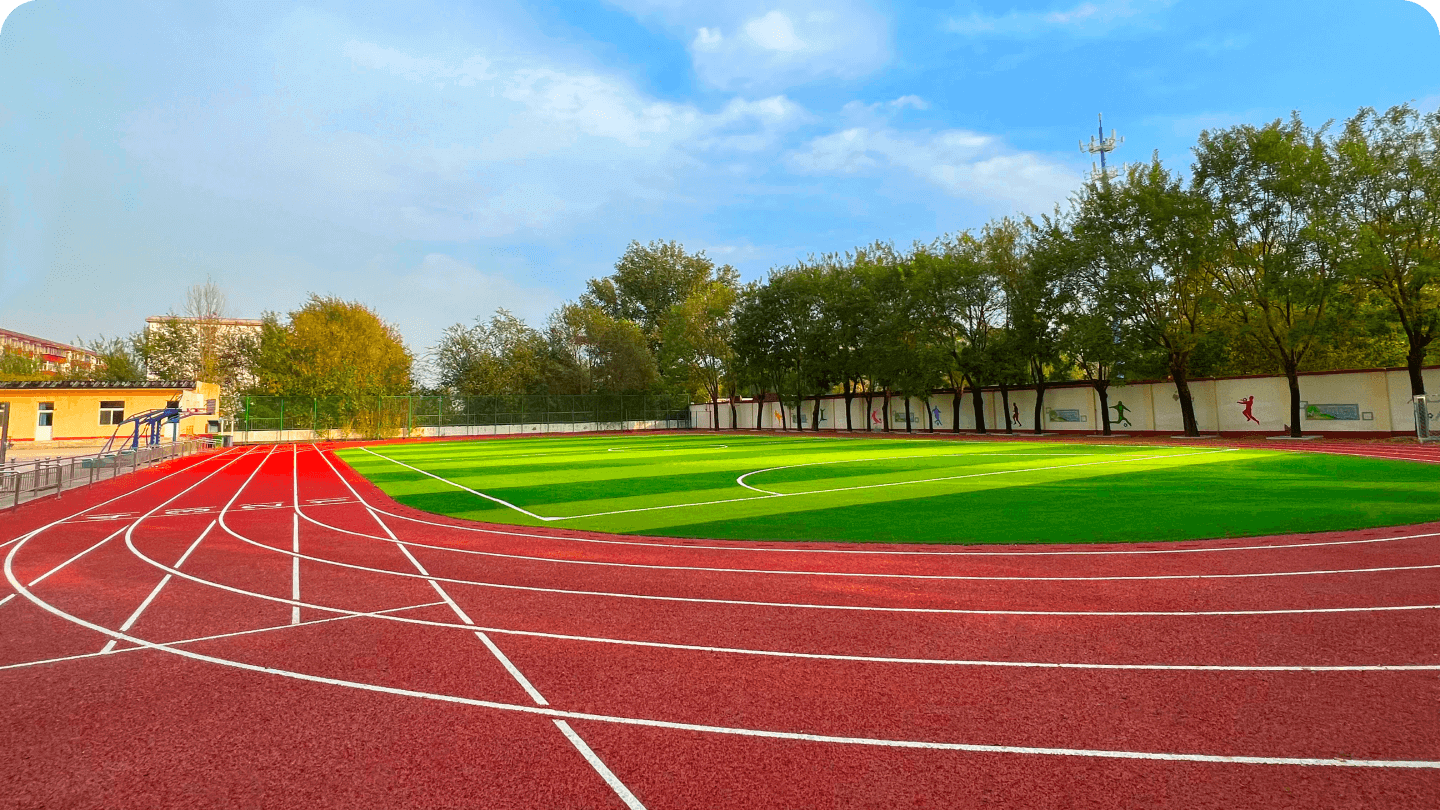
x: 134, y: 617
x: 595, y: 762
x: 295, y: 533
x: 819, y: 606
x: 111, y: 651
x: 783, y: 654
x: 552, y: 713
x: 534, y: 694
x: 871, y: 575
x: 1102, y: 552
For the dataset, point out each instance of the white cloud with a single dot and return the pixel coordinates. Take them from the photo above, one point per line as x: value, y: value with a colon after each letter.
x: 774, y: 44
x: 482, y: 145
x: 963, y: 164
x: 1085, y: 19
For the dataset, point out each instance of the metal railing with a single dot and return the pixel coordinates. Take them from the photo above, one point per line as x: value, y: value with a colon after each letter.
x: 23, y: 481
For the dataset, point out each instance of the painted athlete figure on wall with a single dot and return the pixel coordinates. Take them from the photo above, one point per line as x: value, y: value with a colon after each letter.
x: 1249, y: 412
x: 1120, y: 408
x: 1015, y: 414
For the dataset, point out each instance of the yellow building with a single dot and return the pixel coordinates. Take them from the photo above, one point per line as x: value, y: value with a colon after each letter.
x: 90, y: 411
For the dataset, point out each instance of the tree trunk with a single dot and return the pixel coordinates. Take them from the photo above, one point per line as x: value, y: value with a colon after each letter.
x: 849, y: 398
x: 909, y: 420
x: 1413, y: 360
x: 1005, y: 406
x: 1039, y: 408
x: 885, y: 410
x: 979, y: 406
x: 733, y: 424
x: 1187, y: 403
x: 929, y: 414
x: 869, y: 407
x: 958, y: 392
x: 1292, y: 376
x: 759, y: 409
x: 714, y: 410
x: 1102, y: 389
x: 815, y: 416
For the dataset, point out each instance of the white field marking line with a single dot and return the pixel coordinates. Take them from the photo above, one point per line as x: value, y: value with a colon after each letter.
x: 126, y: 494
x: 457, y: 486
x: 741, y: 479
x: 595, y: 762
x: 693, y: 727
x: 605, y: 773
x: 134, y: 617
x: 110, y: 537
x: 970, y: 475
x: 860, y: 574
x: 197, y: 639
x: 800, y: 605
x: 783, y: 654
x: 295, y: 533
x: 515, y: 673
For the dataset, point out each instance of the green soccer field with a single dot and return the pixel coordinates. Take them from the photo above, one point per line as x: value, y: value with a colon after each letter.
x: 782, y: 487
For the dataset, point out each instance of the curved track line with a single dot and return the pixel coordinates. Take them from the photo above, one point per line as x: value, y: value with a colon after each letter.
x: 737, y: 731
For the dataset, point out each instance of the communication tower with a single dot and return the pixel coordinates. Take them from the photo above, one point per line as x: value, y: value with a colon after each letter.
x: 1102, y: 146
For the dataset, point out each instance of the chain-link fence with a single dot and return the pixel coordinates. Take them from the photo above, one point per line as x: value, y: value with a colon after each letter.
x: 292, y: 418
x: 22, y: 481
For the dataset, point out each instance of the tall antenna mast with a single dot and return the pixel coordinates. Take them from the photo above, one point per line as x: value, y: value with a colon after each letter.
x: 1102, y: 146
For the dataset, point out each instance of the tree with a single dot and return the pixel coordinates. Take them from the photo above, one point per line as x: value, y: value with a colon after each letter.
x: 117, y: 359
x: 502, y: 356
x: 1275, y: 192
x: 17, y: 366
x: 1149, y: 244
x: 699, y: 332
x: 610, y: 354
x: 1389, y: 165
x: 648, y: 282
x: 331, y: 348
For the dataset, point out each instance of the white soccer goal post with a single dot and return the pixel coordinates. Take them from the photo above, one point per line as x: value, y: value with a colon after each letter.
x: 1422, y: 421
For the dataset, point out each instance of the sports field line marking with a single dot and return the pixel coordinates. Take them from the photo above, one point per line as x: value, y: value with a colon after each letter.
x: 295, y: 531
x: 471, y: 627
x: 595, y: 762
x: 599, y: 767
x: 866, y: 574
x: 134, y: 617
x: 958, y: 477
x: 126, y: 494
x: 118, y: 531
x: 105, y: 652
x: 981, y: 454
x: 457, y: 486
x: 765, y: 494
x: 798, y: 605
x: 694, y: 727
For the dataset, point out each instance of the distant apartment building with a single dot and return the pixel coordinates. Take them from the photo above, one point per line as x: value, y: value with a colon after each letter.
x: 54, y: 358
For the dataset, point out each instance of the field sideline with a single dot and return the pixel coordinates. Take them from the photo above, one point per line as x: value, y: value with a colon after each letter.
x: 897, y: 490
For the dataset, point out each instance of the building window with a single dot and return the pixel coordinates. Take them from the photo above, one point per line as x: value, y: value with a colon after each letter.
x: 47, y: 414
x: 112, y: 412
x: 173, y: 404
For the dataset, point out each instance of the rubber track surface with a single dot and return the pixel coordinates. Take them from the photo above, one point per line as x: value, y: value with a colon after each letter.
x: 261, y: 627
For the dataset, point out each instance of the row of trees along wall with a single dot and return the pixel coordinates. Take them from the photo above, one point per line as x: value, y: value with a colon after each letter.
x: 1287, y: 249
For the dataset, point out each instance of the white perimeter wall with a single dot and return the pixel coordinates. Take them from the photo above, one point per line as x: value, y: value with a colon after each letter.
x: 1380, y: 399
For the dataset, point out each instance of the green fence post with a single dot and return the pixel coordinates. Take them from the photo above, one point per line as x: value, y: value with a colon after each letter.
x: 281, y: 434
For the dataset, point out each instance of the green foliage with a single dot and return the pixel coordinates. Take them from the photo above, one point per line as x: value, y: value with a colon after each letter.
x: 331, y: 347
x: 118, y: 359
x: 18, y: 367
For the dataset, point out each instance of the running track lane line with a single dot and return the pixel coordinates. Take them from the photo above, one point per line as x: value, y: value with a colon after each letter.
x: 556, y: 714
x: 22, y: 538
x: 589, y: 755
x: 134, y: 617
x: 781, y: 654
x: 864, y: 574
x: 197, y: 639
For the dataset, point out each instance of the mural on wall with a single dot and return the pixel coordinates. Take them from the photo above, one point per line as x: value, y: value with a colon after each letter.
x: 875, y: 418
x: 1347, y: 413
x: 1120, y: 408
x: 935, y: 412
x: 1249, y: 412
x: 1015, y: 414
x: 1067, y: 415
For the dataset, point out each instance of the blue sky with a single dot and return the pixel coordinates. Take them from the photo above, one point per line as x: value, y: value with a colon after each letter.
x: 438, y: 159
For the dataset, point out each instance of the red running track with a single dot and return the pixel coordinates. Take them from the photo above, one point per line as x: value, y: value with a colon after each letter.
x: 261, y: 627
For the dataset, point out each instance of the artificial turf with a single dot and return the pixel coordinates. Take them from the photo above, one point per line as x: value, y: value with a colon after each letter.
x: 897, y: 490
